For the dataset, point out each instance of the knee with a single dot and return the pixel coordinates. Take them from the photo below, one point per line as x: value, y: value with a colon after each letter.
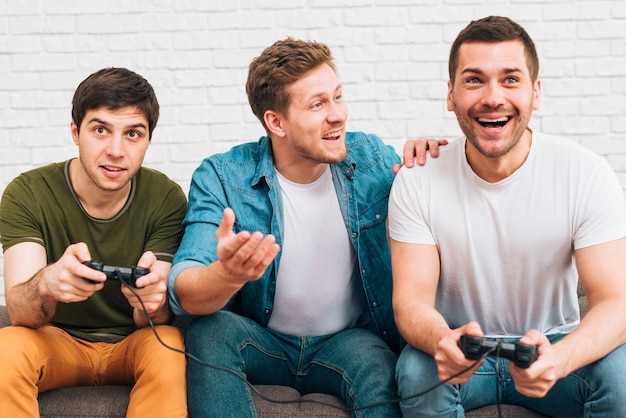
x: 415, y: 369
x: 215, y: 329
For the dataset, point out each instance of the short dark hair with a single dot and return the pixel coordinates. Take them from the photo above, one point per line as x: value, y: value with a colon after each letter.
x: 115, y: 88
x: 278, y: 66
x: 494, y: 29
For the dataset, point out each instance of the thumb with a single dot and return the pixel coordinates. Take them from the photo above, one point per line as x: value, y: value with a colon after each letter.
x: 226, y: 226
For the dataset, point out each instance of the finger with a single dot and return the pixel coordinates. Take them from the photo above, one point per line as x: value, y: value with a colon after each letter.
x: 226, y: 226
x: 262, y: 255
x: 147, y: 259
x: 79, y: 251
x: 433, y: 147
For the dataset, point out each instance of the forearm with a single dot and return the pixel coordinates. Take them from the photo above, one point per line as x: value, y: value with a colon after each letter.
x: 28, y: 304
x: 600, y: 331
x: 421, y: 325
x: 204, y: 290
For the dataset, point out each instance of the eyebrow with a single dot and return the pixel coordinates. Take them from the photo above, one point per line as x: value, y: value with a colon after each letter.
x: 474, y: 70
x: 103, y: 122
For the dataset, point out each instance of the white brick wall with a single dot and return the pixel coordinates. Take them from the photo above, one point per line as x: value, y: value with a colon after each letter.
x: 392, y: 57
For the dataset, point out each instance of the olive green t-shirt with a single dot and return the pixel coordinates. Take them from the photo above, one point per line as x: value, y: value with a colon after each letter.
x: 40, y: 206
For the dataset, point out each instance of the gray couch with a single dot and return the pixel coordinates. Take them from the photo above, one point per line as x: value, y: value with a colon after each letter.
x: 111, y: 401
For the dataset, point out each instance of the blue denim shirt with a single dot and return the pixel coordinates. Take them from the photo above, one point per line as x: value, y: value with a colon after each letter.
x: 244, y: 180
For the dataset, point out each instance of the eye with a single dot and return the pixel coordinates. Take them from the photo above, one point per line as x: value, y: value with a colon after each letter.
x: 510, y: 80
x: 338, y: 97
x: 100, y: 129
x: 473, y: 80
x: 133, y: 134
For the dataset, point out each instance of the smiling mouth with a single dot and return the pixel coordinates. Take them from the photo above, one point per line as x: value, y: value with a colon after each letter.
x: 112, y: 169
x: 332, y: 135
x: 493, y: 123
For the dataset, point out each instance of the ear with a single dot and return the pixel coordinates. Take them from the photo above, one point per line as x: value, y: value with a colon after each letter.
x: 537, y: 95
x: 74, y: 131
x: 450, y: 97
x: 274, y: 123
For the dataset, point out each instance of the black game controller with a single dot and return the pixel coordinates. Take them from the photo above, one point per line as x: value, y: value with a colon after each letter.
x: 128, y: 275
x: 522, y: 355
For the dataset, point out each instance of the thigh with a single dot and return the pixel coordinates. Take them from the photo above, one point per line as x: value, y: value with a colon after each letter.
x: 231, y: 341
x: 357, y: 366
x: 598, y: 389
x: 47, y: 356
x: 144, y: 351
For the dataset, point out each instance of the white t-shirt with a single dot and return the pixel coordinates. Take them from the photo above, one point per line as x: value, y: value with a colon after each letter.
x: 315, y: 293
x: 507, y: 248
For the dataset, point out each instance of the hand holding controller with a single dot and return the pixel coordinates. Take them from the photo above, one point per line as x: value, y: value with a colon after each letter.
x: 522, y: 355
x: 128, y: 275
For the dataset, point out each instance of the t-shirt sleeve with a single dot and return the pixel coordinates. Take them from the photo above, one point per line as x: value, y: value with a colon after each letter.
x: 602, y: 217
x: 18, y: 222
x: 406, y: 217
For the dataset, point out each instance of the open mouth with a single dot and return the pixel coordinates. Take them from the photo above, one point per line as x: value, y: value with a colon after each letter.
x: 111, y: 169
x: 493, y: 123
x: 332, y: 135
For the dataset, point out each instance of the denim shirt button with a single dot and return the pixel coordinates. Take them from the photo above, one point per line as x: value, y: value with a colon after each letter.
x: 375, y: 304
x: 267, y: 311
x: 354, y: 235
x: 349, y: 195
x: 378, y: 216
x: 363, y: 272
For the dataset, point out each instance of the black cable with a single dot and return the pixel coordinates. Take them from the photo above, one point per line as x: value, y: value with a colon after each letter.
x: 278, y: 401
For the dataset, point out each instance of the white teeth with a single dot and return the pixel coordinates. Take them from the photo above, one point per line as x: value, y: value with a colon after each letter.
x: 502, y: 119
x: 332, y: 135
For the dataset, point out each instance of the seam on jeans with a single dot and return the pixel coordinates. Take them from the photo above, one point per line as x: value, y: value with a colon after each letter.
x: 253, y: 343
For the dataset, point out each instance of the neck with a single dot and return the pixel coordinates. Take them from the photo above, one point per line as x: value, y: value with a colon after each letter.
x: 494, y: 169
x: 96, y: 202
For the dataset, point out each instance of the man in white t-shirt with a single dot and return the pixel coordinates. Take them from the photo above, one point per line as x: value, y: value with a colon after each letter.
x: 490, y: 240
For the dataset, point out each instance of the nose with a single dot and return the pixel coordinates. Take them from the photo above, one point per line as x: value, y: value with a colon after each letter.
x: 493, y: 95
x: 115, y: 146
x: 338, y: 112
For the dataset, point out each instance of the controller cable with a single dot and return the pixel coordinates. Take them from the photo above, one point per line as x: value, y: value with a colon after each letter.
x: 278, y: 401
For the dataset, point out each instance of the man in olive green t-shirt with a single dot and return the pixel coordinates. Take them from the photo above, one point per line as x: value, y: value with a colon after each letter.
x: 71, y: 326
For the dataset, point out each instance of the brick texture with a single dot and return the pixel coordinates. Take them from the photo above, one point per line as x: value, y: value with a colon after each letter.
x: 391, y: 55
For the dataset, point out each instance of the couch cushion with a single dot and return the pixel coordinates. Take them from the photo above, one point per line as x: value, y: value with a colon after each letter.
x: 85, y: 401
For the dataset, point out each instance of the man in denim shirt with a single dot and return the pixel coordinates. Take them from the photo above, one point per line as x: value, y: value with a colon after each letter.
x: 285, y: 247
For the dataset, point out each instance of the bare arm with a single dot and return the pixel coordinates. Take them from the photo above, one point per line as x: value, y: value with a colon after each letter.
x: 602, y: 272
x: 33, y: 289
x: 415, y: 278
x: 242, y: 257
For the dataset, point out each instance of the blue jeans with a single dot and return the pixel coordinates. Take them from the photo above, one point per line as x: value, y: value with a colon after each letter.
x: 355, y: 365
x: 596, y: 390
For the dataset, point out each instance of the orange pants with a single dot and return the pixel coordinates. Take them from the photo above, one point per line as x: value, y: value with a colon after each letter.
x: 37, y: 360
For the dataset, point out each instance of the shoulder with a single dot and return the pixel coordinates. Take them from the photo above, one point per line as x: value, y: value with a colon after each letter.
x: 48, y: 177
x: 365, y: 150
x: 562, y: 149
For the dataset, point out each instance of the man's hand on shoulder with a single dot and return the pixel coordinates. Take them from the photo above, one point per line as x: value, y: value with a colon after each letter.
x: 415, y: 151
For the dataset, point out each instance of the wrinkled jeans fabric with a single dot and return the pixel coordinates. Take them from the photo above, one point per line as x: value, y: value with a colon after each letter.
x: 596, y: 390
x: 354, y: 365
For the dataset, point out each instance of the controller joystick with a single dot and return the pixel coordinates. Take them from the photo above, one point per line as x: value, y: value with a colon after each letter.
x: 522, y: 355
x: 128, y: 275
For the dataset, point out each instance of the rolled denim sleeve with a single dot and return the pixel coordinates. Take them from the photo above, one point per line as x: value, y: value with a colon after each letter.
x: 171, y: 288
x: 204, y: 214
